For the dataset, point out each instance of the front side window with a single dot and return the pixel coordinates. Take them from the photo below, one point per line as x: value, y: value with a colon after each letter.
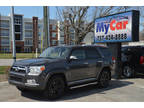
x: 78, y: 53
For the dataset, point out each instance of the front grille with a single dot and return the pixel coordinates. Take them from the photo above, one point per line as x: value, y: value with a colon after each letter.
x: 19, y: 69
x: 15, y: 78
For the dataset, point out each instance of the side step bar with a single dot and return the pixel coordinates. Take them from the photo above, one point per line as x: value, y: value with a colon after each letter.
x: 83, y: 85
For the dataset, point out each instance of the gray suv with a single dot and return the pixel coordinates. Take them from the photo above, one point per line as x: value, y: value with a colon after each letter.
x: 63, y: 67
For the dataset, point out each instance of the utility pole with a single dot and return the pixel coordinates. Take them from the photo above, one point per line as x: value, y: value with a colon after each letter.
x: 13, y: 34
x: 117, y: 53
x: 118, y: 56
x: 42, y: 40
x: 48, y: 19
x: 46, y: 27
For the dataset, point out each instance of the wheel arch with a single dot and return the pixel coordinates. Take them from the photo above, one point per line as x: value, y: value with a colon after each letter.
x: 58, y: 73
x: 105, y: 68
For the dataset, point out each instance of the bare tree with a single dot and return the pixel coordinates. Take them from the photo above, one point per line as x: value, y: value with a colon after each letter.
x: 82, y: 18
x: 64, y: 24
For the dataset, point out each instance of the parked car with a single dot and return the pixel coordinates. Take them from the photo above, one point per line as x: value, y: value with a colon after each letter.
x: 132, y: 60
x: 62, y: 67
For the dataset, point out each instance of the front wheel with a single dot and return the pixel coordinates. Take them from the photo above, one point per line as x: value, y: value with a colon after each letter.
x: 21, y: 89
x: 55, y: 88
x: 104, y: 79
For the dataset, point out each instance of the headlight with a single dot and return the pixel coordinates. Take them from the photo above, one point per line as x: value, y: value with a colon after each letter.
x: 36, y: 70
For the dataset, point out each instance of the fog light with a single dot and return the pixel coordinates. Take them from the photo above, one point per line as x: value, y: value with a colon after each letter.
x: 31, y: 81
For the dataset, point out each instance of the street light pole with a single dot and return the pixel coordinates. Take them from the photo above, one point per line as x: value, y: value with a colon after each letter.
x: 48, y: 20
x: 46, y: 27
x: 13, y: 34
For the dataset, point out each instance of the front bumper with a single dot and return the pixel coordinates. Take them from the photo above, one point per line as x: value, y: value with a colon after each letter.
x: 21, y: 80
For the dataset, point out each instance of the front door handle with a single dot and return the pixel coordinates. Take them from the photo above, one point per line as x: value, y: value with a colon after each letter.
x: 99, y: 63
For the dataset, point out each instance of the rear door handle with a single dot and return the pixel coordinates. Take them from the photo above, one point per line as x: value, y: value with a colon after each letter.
x: 85, y: 63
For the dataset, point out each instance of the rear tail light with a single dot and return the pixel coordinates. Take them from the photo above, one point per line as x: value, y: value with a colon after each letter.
x: 142, y: 60
x: 113, y: 59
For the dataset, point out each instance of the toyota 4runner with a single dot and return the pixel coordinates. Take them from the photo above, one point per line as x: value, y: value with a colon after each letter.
x: 62, y: 67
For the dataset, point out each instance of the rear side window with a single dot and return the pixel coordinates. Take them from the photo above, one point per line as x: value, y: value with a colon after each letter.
x: 106, y: 52
x: 92, y: 53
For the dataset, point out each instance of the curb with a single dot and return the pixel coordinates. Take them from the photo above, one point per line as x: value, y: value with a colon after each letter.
x: 4, y: 83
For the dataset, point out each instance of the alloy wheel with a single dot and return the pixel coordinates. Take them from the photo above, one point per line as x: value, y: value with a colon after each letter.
x: 104, y: 79
x: 127, y: 71
x: 55, y: 88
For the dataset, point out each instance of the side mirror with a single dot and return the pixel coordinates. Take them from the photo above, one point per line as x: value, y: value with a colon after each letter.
x: 73, y: 58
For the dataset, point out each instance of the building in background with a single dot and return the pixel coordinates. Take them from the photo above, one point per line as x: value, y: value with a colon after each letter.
x: 5, y: 30
x: 66, y: 37
x: 29, y: 33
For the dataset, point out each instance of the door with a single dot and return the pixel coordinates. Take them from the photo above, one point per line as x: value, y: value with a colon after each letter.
x: 78, y: 66
x: 94, y: 61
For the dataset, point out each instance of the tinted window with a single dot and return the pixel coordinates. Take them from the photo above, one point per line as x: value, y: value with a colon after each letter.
x: 55, y: 52
x: 106, y: 52
x: 92, y: 53
x: 78, y: 53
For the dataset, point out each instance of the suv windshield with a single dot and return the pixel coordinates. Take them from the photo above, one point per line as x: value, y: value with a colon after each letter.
x: 55, y: 52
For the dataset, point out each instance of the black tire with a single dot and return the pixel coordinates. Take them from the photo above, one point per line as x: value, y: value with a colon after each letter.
x: 21, y: 89
x: 128, y: 71
x: 104, y: 79
x: 55, y: 88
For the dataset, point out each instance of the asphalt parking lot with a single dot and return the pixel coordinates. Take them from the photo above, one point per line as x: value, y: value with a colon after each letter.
x: 124, y: 90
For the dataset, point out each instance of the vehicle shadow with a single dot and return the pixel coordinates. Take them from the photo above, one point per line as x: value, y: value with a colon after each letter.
x: 79, y: 92
x: 138, y: 75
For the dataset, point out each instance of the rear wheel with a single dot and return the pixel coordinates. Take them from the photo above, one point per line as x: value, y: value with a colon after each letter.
x: 55, y: 87
x: 104, y: 79
x: 128, y: 71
